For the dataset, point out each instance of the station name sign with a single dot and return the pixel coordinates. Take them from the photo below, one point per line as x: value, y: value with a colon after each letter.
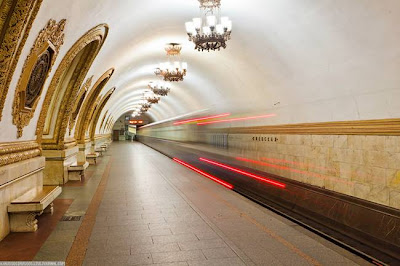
x: 136, y: 122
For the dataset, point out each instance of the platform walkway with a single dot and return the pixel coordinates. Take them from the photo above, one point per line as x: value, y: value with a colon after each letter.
x: 139, y: 207
x: 155, y: 211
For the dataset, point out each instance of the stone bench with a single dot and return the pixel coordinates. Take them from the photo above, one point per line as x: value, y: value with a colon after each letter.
x: 24, y: 209
x: 100, y: 151
x: 76, y: 172
x: 92, y: 158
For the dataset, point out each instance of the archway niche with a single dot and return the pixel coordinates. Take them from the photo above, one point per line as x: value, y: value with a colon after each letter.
x: 90, y: 107
x: 59, y: 148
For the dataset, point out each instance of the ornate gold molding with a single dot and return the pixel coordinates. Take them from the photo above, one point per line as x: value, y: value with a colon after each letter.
x: 101, y: 136
x: 78, y: 104
x: 102, y: 121
x: 90, y: 43
x: 69, y: 143
x: 89, y: 106
x: 110, y: 125
x: 13, y: 152
x: 378, y: 127
x: 106, y: 124
x: 97, y: 112
x: 36, y: 69
x: 16, y: 18
x: 383, y: 127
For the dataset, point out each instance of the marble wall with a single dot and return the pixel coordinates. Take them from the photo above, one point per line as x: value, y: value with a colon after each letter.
x: 15, y: 180
x: 366, y: 167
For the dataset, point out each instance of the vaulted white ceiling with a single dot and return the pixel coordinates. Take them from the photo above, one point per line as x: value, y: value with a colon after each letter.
x: 322, y: 60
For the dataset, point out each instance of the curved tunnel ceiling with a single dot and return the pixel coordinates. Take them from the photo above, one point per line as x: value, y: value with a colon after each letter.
x: 320, y: 60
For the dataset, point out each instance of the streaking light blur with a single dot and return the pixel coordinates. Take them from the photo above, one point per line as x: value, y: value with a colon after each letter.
x: 219, y: 181
x: 201, y: 118
x: 266, y: 180
x: 235, y: 119
x: 298, y: 171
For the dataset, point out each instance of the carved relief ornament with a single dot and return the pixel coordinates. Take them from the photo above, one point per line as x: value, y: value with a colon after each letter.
x: 13, y: 152
x: 36, y: 69
x: 16, y: 18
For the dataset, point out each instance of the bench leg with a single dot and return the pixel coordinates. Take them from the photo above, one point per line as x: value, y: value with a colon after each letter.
x: 75, y: 175
x: 24, y: 221
x: 49, y: 209
x: 92, y: 161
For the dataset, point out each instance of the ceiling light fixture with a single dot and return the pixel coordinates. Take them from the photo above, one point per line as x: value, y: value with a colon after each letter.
x: 160, y: 88
x: 211, y: 31
x: 172, y: 71
x: 144, y: 105
x: 151, y: 97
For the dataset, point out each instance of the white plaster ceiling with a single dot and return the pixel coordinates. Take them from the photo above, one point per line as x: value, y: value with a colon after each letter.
x: 323, y: 60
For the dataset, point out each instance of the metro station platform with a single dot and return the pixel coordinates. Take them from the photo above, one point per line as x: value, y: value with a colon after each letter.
x: 139, y: 207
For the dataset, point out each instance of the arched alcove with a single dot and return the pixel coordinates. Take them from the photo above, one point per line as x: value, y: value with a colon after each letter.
x: 97, y: 112
x: 89, y: 106
x: 64, y: 89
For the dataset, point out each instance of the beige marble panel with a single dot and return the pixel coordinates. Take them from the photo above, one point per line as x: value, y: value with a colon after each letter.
x: 24, y: 176
x: 57, y: 162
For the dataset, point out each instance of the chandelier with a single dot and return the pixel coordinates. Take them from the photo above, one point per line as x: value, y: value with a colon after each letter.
x: 160, y: 88
x: 151, y: 97
x: 172, y: 71
x: 144, y: 105
x: 210, y: 3
x: 211, y: 32
x: 136, y: 111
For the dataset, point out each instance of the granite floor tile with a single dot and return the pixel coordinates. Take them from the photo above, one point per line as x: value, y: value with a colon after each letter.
x: 163, y: 257
x: 175, y: 238
x: 202, y: 244
x: 107, y: 251
x: 218, y: 262
x: 219, y: 253
x: 154, y: 248
x: 206, y: 235
x: 156, y: 232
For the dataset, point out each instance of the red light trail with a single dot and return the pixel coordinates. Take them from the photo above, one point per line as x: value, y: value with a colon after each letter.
x: 286, y: 168
x: 235, y: 119
x: 219, y: 181
x: 266, y: 180
x: 201, y: 118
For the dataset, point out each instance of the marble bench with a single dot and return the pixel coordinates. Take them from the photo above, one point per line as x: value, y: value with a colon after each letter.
x: 24, y: 209
x: 104, y: 147
x: 99, y: 151
x: 92, y: 157
x: 76, y: 172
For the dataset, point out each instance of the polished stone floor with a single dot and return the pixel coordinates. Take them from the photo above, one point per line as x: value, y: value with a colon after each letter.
x: 139, y: 207
x: 155, y: 211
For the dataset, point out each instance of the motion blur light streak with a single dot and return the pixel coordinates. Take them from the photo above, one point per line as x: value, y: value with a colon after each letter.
x: 274, y: 160
x: 201, y: 118
x: 225, y: 184
x: 269, y: 181
x: 235, y: 119
x: 286, y: 168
